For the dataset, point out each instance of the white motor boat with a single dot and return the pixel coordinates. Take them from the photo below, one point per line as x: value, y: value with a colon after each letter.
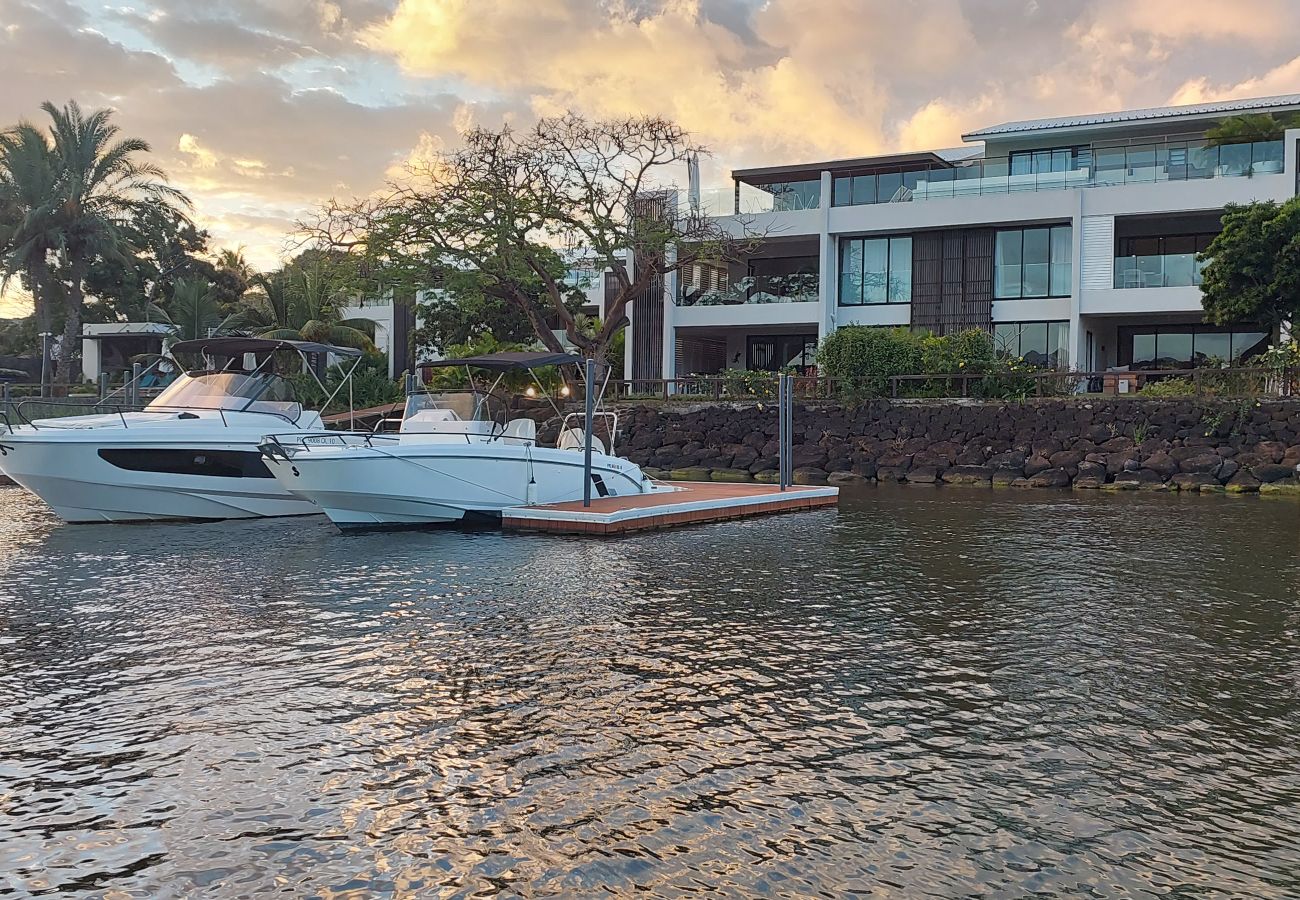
x: 192, y: 453
x: 454, y: 457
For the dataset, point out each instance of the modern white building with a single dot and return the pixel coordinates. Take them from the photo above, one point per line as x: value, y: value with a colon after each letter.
x: 1073, y: 240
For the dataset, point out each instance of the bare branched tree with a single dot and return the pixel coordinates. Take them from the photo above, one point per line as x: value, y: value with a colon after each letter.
x: 508, y: 213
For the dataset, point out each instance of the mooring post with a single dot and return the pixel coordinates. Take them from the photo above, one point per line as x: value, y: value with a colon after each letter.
x: 586, y: 443
x: 103, y: 386
x: 789, y: 430
x: 780, y: 428
x: 135, y: 384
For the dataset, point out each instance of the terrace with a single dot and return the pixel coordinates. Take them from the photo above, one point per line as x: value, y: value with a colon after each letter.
x: 905, y: 178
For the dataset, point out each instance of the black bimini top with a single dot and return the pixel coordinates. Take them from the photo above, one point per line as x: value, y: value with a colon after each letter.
x: 505, y: 362
x: 238, y: 346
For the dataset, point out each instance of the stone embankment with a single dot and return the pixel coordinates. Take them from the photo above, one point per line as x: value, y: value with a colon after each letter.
x: 1120, y: 444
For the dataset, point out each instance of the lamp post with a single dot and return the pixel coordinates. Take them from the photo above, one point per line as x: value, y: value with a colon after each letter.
x: 45, y: 363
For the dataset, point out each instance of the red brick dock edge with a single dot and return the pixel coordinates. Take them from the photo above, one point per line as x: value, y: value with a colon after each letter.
x: 692, y: 503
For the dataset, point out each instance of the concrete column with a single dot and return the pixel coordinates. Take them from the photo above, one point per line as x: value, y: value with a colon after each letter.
x: 1077, y: 343
x: 828, y: 276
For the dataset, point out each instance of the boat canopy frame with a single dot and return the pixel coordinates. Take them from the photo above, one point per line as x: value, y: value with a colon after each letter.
x: 517, y: 360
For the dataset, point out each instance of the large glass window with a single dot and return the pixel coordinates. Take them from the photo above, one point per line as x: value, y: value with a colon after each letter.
x: 790, y: 195
x: 773, y: 353
x: 875, y: 270
x: 1033, y: 262
x: 1160, y: 260
x: 1187, y: 346
x: 1040, y: 344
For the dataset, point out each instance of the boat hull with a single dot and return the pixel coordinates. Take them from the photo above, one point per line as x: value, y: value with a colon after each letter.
x: 443, y: 483
x: 82, y: 487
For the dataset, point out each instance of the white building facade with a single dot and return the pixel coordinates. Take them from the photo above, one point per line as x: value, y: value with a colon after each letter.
x: 1072, y: 240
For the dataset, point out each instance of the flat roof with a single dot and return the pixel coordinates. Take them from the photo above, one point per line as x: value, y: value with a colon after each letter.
x: 1136, y: 115
x: 860, y: 162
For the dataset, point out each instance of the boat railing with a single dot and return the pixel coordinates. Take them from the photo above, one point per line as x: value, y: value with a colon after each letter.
x: 580, y: 419
x: 121, y: 412
x: 286, y: 446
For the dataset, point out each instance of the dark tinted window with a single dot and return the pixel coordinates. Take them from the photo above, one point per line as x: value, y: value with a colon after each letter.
x: 213, y: 463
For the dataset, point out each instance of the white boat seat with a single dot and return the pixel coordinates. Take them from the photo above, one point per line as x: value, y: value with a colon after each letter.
x: 520, y: 431
x: 576, y: 439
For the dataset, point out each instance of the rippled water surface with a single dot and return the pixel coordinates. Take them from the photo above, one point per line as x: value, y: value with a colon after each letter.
x: 930, y: 692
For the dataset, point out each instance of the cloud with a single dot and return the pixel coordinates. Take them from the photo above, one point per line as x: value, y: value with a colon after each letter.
x: 260, y: 109
x: 1283, y: 79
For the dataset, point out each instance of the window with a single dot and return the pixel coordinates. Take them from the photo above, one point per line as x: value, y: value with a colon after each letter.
x: 1041, y: 344
x: 773, y: 353
x: 1033, y: 262
x: 1056, y: 159
x: 875, y: 270
x: 789, y: 195
x: 1188, y: 346
x: 1160, y: 261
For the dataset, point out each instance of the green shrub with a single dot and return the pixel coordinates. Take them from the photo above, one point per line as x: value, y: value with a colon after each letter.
x: 371, y: 385
x: 962, y: 351
x: 1169, y: 387
x: 865, y: 357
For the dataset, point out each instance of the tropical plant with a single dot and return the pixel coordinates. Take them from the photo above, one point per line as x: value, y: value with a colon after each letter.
x: 193, y: 312
x: 370, y: 386
x: 29, y: 233
x: 301, y: 303
x: 99, y: 184
x: 1251, y: 269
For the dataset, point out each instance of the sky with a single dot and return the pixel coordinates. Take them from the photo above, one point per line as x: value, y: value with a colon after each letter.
x: 262, y: 109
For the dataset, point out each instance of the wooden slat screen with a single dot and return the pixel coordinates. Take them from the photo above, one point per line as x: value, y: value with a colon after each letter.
x: 952, y: 280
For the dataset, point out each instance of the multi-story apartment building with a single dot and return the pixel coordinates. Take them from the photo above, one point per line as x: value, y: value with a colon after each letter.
x: 1073, y: 240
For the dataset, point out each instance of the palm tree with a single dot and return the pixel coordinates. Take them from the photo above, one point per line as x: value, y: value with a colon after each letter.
x: 301, y: 304
x: 193, y: 312
x: 28, y: 230
x: 99, y: 186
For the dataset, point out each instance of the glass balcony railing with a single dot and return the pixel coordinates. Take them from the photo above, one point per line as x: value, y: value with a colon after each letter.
x: 766, y: 198
x: 754, y: 289
x: 1104, y: 166
x: 1166, y: 270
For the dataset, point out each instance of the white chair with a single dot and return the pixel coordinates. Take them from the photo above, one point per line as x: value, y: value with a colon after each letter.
x: 520, y: 431
x: 576, y: 439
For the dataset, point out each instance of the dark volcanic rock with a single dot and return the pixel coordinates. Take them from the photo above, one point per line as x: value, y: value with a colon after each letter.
x: 1050, y: 478
x: 1270, y: 472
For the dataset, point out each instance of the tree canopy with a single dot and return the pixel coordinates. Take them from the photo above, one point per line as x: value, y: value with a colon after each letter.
x: 1252, y: 267
x: 500, y: 219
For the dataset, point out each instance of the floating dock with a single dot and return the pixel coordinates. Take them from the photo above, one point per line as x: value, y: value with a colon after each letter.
x: 688, y: 503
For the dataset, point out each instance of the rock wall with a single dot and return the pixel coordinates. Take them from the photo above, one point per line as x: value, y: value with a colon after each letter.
x: 1105, y: 444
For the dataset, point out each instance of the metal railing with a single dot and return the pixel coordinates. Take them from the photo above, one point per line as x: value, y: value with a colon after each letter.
x: 796, y: 288
x: 1227, y: 383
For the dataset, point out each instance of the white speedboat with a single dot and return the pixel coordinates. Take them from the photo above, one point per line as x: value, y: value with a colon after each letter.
x: 192, y: 453
x: 454, y: 457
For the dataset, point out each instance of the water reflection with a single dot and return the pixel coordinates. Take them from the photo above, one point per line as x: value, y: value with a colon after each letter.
x: 945, y: 691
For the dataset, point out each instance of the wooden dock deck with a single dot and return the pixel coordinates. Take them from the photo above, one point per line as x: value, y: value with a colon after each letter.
x: 688, y: 503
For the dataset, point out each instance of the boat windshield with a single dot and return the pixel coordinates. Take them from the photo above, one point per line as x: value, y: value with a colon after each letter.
x: 233, y: 391
x: 467, y: 406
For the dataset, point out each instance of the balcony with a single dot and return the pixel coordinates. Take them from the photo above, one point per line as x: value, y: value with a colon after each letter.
x: 754, y: 290
x: 1164, y: 270
x: 1101, y: 167
x: 749, y: 199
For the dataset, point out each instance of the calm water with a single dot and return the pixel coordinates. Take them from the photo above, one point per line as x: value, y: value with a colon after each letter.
x: 932, y: 692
